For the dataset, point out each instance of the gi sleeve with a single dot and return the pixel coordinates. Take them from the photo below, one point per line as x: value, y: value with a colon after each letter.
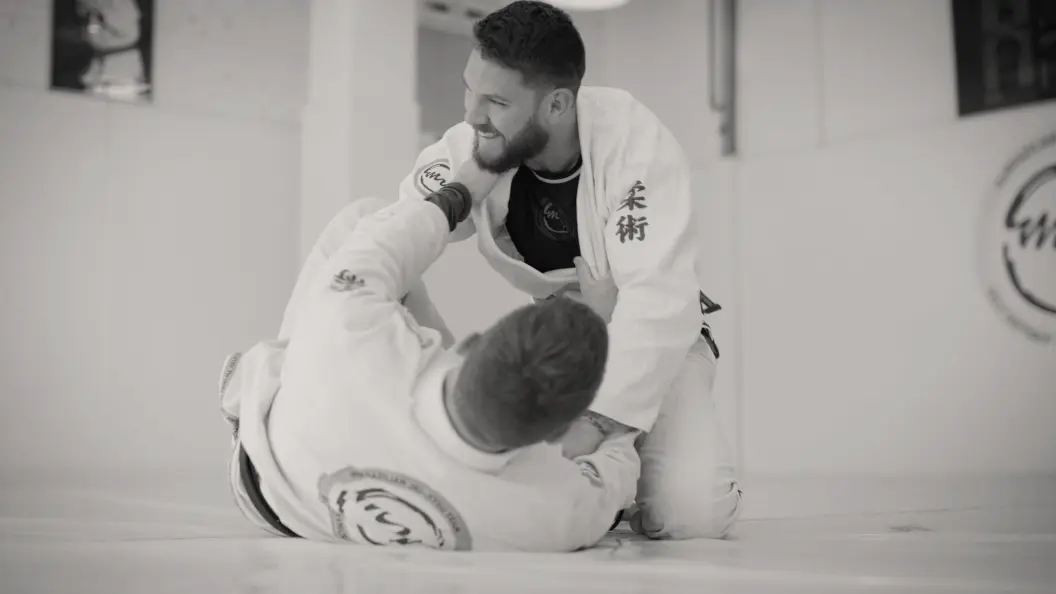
x: 380, y: 259
x: 420, y: 305
x: 315, y: 265
x: 652, y: 243
x: 609, y: 480
x: 435, y: 167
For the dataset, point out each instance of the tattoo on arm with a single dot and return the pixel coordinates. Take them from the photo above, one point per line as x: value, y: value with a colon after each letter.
x: 605, y: 425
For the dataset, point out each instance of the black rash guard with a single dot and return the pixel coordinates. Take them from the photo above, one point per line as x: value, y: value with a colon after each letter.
x: 542, y: 217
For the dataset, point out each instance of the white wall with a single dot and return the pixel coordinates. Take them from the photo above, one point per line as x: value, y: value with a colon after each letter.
x: 359, y: 126
x: 141, y: 244
x: 441, y: 58
x: 869, y: 346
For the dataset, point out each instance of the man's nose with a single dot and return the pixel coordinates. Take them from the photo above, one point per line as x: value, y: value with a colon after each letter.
x: 475, y: 115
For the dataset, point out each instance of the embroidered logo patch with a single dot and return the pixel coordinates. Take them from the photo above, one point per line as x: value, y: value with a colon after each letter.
x: 433, y: 176
x: 552, y: 221
x: 346, y: 281
x: 634, y: 198
x: 631, y: 227
x: 384, y: 508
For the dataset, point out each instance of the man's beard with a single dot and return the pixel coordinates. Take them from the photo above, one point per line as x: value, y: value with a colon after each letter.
x: 526, y: 144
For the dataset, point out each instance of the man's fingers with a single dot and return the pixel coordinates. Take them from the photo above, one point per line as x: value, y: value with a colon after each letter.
x: 582, y: 270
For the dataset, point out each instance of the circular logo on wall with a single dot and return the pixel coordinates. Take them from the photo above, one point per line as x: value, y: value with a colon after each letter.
x: 384, y: 508
x: 1017, y: 247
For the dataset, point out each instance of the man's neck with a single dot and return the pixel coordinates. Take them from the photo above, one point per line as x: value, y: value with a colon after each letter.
x: 457, y: 421
x: 560, y: 153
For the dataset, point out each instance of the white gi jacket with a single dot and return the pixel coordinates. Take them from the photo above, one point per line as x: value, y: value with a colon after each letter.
x: 345, y: 423
x: 636, y: 221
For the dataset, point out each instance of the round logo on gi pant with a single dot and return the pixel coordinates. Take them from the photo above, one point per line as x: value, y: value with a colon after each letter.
x: 433, y: 176
x: 1017, y: 242
x: 385, y: 508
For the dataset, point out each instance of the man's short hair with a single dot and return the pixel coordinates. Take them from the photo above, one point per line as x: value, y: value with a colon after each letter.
x: 536, y: 39
x: 534, y: 372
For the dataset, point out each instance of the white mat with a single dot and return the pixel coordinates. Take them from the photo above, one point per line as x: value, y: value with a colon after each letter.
x: 140, y: 534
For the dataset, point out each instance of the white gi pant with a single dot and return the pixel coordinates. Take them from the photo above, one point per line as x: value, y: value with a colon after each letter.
x: 688, y: 486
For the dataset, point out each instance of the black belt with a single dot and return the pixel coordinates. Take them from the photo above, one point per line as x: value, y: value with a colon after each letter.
x: 251, y: 482
x: 705, y: 331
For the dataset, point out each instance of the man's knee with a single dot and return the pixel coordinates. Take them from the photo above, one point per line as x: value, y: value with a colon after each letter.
x: 689, y: 512
x: 688, y: 487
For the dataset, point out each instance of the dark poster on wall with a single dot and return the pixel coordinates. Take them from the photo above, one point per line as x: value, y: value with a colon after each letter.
x: 1005, y: 53
x: 103, y: 48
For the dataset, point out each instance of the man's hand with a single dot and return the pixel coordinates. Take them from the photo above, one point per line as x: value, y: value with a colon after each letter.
x: 479, y: 182
x: 583, y: 438
x: 599, y: 294
x: 587, y: 433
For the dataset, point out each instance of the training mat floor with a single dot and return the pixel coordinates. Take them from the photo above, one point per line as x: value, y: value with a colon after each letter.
x: 162, y: 533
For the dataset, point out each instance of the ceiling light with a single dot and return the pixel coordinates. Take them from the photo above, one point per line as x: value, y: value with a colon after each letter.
x: 588, y: 4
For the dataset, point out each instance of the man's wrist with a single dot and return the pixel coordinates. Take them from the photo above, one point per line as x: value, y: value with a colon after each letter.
x: 454, y: 200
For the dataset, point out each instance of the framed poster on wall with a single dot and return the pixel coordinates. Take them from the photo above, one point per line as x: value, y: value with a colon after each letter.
x: 103, y: 48
x: 1005, y: 53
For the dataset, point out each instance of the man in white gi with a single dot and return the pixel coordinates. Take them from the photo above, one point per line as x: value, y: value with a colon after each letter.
x: 591, y: 179
x: 357, y: 425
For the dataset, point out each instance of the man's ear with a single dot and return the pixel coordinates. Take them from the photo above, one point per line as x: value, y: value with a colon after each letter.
x: 557, y: 104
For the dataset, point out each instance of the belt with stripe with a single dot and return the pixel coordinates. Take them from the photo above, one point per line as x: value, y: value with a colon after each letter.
x: 705, y: 333
x: 251, y: 483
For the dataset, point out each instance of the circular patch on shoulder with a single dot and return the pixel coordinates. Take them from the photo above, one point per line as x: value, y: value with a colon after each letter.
x: 433, y: 176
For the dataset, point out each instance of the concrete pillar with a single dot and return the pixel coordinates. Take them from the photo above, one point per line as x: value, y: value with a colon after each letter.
x: 359, y: 128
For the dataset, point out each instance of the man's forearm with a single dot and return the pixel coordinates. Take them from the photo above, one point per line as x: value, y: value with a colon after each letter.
x: 608, y: 427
